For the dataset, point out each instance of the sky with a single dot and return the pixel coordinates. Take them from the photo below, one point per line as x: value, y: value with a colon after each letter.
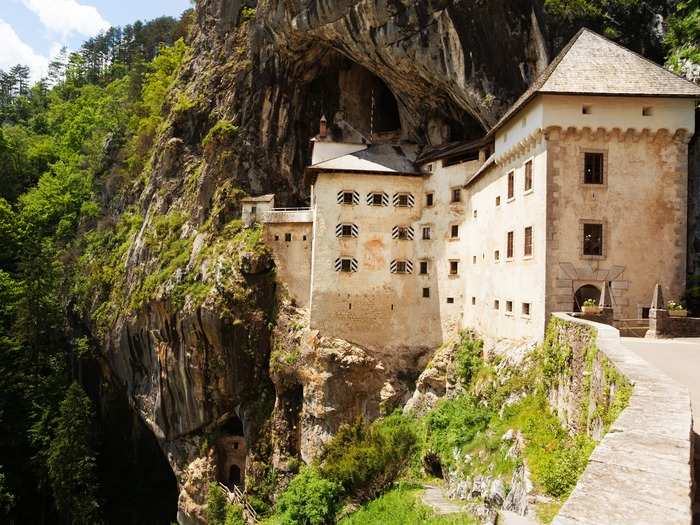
x: 33, y: 31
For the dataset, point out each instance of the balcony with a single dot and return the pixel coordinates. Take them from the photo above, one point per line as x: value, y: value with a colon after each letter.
x: 287, y: 215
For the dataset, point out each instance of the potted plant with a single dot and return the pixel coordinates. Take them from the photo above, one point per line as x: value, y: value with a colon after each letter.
x: 676, y: 309
x: 590, y: 307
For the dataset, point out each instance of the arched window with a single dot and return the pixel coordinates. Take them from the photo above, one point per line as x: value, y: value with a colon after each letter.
x: 587, y: 291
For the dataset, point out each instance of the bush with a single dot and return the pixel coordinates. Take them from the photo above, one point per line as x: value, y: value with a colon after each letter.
x: 469, y: 358
x: 234, y: 515
x: 223, y: 132
x: 216, y: 505
x: 309, y: 499
x: 365, y: 459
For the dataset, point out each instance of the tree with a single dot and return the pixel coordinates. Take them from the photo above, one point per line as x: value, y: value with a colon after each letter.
x: 309, y: 499
x: 72, y: 463
x: 216, y: 505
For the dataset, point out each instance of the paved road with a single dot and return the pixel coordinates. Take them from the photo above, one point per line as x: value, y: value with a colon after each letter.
x: 680, y: 360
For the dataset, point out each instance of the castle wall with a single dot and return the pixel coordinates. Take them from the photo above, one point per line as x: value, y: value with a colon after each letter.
x: 292, y: 257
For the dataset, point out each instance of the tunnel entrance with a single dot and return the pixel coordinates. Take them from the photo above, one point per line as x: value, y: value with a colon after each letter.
x: 231, y: 450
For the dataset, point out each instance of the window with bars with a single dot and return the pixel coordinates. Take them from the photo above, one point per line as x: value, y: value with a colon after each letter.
x: 509, y: 245
x: 401, y: 266
x: 426, y: 233
x: 348, y: 198
x: 593, y: 239
x: 347, y: 230
x: 346, y: 265
x: 511, y: 185
x: 402, y: 233
x: 378, y: 198
x: 528, y: 175
x: 593, y: 165
x: 403, y: 200
x: 527, y: 244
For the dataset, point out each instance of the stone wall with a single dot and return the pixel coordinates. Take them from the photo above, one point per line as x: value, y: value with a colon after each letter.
x: 640, y: 472
x: 684, y: 326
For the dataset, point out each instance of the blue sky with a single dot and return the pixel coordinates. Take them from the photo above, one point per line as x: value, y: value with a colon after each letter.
x: 31, y: 31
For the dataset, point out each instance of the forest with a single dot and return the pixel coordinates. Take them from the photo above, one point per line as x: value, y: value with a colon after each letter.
x: 74, y: 152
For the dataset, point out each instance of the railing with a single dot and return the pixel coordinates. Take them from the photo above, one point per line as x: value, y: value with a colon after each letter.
x: 236, y: 497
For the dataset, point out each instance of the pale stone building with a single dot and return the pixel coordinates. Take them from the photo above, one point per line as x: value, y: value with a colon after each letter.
x: 583, y: 182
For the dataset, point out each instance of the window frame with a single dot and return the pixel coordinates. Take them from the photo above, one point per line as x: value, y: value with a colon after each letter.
x: 509, y: 307
x: 528, y: 307
x: 528, y: 236
x: 352, y: 198
x: 430, y: 199
x: 426, y: 292
x: 287, y: 237
x: 429, y: 229
x: 458, y: 192
x: 528, y: 183
x: 582, y: 238
x: 510, y: 245
x: 454, y: 267
x: 374, y: 196
x: 422, y: 264
x: 603, y: 168
x: 454, y: 231
x: 510, y: 186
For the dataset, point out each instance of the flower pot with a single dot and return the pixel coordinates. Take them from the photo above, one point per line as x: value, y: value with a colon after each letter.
x: 590, y: 310
x: 678, y: 313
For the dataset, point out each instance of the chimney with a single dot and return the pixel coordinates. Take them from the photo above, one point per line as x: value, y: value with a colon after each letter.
x: 323, y: 128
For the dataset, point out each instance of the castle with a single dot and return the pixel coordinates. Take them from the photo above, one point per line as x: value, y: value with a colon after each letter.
x: 582, y: 185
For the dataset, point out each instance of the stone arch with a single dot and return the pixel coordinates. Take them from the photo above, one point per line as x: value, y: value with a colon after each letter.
x: 587, y: 291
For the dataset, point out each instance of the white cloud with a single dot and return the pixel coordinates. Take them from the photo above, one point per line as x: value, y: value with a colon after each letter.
x: 14, y: 51
x: 66, y: 17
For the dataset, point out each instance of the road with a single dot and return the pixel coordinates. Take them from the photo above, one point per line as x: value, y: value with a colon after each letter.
x: 680, y: 360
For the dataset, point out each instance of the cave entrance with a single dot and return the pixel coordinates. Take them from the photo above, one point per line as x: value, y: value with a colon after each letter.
x: 231, y: 451
x: 587, y: 291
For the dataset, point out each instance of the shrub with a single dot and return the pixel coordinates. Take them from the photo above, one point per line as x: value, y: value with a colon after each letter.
x: 364, y: 459
x: 309, y: 499
x: 222, y: 132
x: 216, y: 505
x: 234, y: 515
x: 469, y: 358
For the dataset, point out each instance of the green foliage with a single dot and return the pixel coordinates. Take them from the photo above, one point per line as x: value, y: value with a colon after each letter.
x: 234, y: 515
x: 72, y: 464
x: 401, y: 506
x: 469, y: 357
x: 216, y: 505
x: 7, y: 500
x: 247, y: 13
x: 223, y: 132
x: 364, y: 459
x: 309, y: 499
x: 683, y: 39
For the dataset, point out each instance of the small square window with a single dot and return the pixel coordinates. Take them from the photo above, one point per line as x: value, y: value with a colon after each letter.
x: 473, y: 301
x: 403, y: 233
x: 527, y: 249
x: 304, y: 237
x: 498, y: 200
x: 254, y: 210
x: 403, y: 201
x: 454, y: 231
x: 426, y: 233
x: 450, y: 300
x: 497, y: 255
x: 526, y: 309
x: 454, y: 267
x: 496, y: 304
x: 593, y: 168
x: 287, y: 237
x: 647, y: 111
x: 424, y: 267
x: 346, y: 230
x: 456, y: 195
x: 593, y: 239
x: 400, y: 266
x: 346, y: 265
x: 528, y: 175
x: 277, y: 237
x: 429, y: 198
x: 348, y: 197
x: 509, y: 245
x: 509, y: 306
x: 377, y: 199
x: 511, y: 185
x: 426, y: 293
x: 475, y: 213
x: 586, y: 110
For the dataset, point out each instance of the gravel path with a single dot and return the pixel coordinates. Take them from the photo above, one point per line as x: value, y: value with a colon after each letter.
x: 436, y: 498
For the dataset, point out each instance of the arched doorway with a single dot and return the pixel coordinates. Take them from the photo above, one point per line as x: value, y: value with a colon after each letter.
x: 587, y: 291
x: 234, y: 476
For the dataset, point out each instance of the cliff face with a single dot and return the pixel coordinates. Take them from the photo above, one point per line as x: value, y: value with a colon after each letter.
x: 192, y: 348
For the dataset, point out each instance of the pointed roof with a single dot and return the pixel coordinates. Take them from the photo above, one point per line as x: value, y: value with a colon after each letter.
x: 382, y: 159
x: 590, y: 64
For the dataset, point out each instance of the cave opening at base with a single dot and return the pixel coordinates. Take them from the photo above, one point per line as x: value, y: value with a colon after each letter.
x: 230, y: 451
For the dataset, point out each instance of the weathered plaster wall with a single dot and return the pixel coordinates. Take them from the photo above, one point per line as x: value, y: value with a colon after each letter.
x: 640, y: 472
x: 519, y: 279
x: 293, y: 257
x: 642, y: 206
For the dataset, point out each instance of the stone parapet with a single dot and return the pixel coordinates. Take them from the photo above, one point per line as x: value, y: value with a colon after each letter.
x: 640, y: 472
x: 287, y: 215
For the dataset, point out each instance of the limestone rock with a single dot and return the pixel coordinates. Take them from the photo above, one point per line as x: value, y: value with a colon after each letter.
x: 520, y: 487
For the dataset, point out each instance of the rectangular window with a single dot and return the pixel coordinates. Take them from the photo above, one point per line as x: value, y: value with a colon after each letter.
x: 346, y: 230
x: 400, y: 266
x: 647, y: 111
x: 475, y: 213
x: 287, y: 237
x: 277, y: 237
x: 593, y: 239
x: 254, y: 210
x: 509, y: 246
x: 511, y: 185
x: 498, y: 201
x: 424, y: 267
x: 473, y: 301
x: 402, y: 201
x: 450, y: 300
x: 454, y: 231
x: 346, y: 265
x: 456, y: 195
x: 527, y: 248
x: 509, y: 306
x: 377, y: 199
x: 429, y: 198
x: 496, y: 304
x: 497, y: 255
x: 526, y: 309
x: 348, y: 197
x: 403, y: 233
x: 426, y: 293
x: 474, y: 259
x: 426, y: 233
x: 586, y: 110
x: 454, y: 267
x: 528, y: 175
x: 593, y: 168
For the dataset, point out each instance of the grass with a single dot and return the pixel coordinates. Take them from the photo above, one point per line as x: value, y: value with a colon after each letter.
x: 402, y: 506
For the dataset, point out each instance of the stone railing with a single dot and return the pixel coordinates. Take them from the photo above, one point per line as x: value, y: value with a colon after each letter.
x: 640, y: 472
x: 287, y: 215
